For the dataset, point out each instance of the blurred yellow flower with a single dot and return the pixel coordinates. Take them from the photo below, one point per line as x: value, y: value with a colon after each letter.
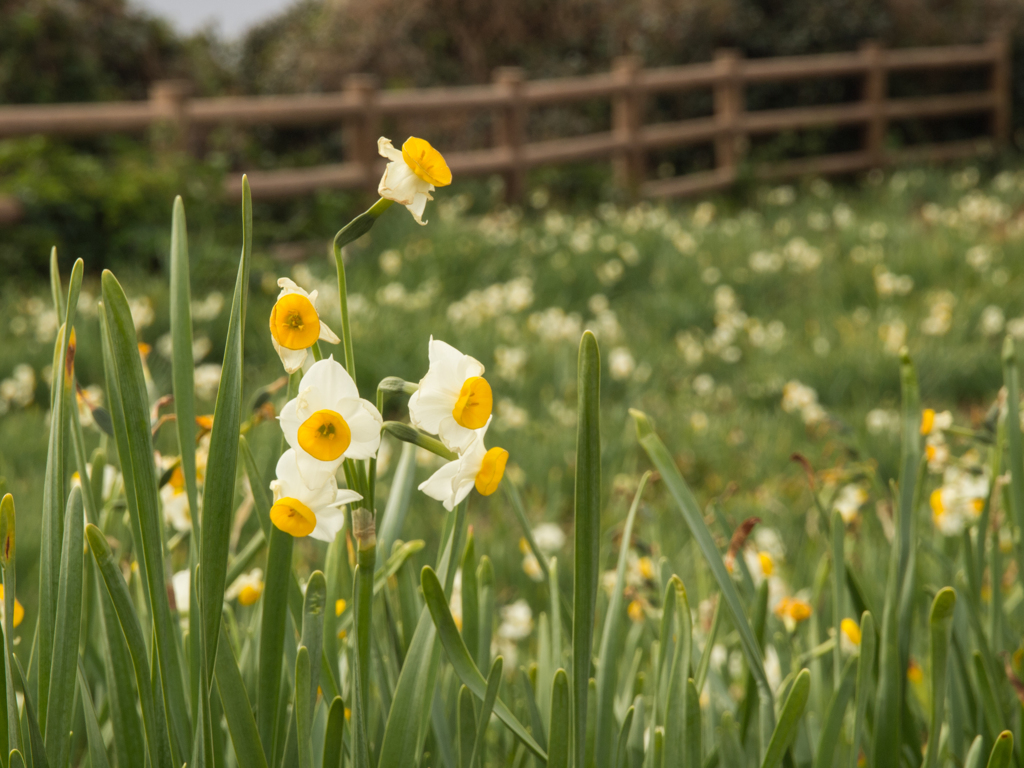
x: 19, y: 610
x: 636, y: 611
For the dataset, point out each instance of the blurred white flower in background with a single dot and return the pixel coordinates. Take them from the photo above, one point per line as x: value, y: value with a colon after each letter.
x: 849, y: 500
x: 516, y: 621
x: 207, y: 380
x: 992, y: 321
x: 142, y: 312
x: 621, y: 363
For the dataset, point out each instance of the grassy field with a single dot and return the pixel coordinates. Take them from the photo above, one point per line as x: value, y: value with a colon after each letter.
x: 752, y: 329
x: 703, y: 312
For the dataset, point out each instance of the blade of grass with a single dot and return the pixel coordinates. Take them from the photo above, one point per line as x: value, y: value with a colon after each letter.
x: 1015, y: 443
x: 1002, y: 751
x: 635, y: 742
x: 395, y: 510
x: 587, y: 524
x: 54, y: 491
x: 705, y: 657
x: 940, y: 624
x: 620, y: 750
x: 313, y: 606
x: 334, y: 734
x: 559, y: 728
x: 8, y: 552
x: 303, y: 716
x: 35, y: 750
x: 97, y: 749
x: 470, y: 596
x: 976, y: 754
x: 838, y: 582
x: 139, y: 463
x: 219, y: 488
x: 237, y: 710
x: 885, y: 748
x: 693, y: 753
x: 694, y: 519
x: 865, y: 671
x: 789, y: 720
x: 493, y: 684
x: 156, y: 734
x: 465, y: 727
x: 611, y: 640
x: 67, y: 633
x: 834, y: 715
x: 676, y: 700
x: 461, y: 661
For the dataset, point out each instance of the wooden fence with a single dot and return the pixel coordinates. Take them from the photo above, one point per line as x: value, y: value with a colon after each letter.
x: 361, y: 107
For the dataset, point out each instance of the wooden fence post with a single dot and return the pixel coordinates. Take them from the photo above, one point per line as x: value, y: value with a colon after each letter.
x: 1002, y: 67
x: 365, y: 129
x: 627, y: 115
x: 168, y: 101
x: 876, y: 87
x: 510, y: 130
x: 729, y: 107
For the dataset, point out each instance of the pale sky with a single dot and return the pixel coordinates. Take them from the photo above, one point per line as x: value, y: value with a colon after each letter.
x: 231, y: 17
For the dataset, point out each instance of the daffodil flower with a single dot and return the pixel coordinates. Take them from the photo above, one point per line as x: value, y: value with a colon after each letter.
x: 454, y: 399
x: 476, y: 468
x: 849, y: 637
x: 959, y: 501
x: 19, y: 610
x: 328, y: 422
x: 413, y: 173
x: 175, y: 502
x: 247, y: 588
x: 295, y: 325
x: 302, y: 511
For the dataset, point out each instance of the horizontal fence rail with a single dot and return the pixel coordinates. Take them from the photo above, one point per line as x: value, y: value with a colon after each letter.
x: 173, y: 116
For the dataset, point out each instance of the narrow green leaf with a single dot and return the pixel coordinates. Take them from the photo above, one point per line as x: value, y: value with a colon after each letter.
x: 89, y: 497
x: 334, y: 734
x: 559, y: 730
x: 493, y: 684
x: 940, y: 624
x: 402, y: 485
x: 620, y: 750
x: 694, y: 518
x: 272, y: 633
x: 976, y: 754
x: 677, y: 700
x: 705, y: 657
x: 885, y: 748
x: 1015, y: 442
x: 17, y: 761
x: 611, y: 641
x: 485, y: 582
x: 156, y: 734
x: 313, y: 629
x: 138, y: 461
x: 833, y: 720
x: 219, y: 488
x: 693, y: 753
x: 237, y: 710
x: 865, y: 672
x: 35, y: 749
x: 8, y: 552
x: 97, y: 749
x: 409, y: 717
x: 1002, y: 751
x: 838, y: 535
x: 67, y: 631
x: 182, y: 363
x: 465, y: 727
x: 303, y: 714
x: 789, y: 720
x: 470, y: 596
x: 587, y: 521
x: 129, y: 739
x: 54, y: 491
x: 986, y: 692
x: 462, y: 662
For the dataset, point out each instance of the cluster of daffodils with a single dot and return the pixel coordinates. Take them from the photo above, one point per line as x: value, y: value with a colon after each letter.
x: 802, y: 399
x: 933, y: 428
x: 959, y: 501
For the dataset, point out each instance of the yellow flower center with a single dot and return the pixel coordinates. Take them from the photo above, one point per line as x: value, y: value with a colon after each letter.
x: 250, y: 593
x: 294, y: 323
x: 977, y: 505
x: 635, y: 611
x: 851, y: 630
x: 914, y: 673
x: 646, y: 568
x: 492, y: 469
x: 339, y: 606
x: 927, y: 421
x: 930, y: 451
x: 177, y: 481
x: 292, y: 516
x: 473, y: 408
x: 325, y: 435
x: 799, y: 610
x: 938, y: 508
x: 19, y: 609
x: 767, y: 564
x: 426, y: 162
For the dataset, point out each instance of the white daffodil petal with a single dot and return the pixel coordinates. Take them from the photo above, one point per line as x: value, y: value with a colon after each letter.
x: 419, y: 206
x: 400, y: 184
x: 427, y: 407
x: 326, y: 334
x: 455, y: 436
x: 387, y: 150
x: 315, y: 473
x: 439, y: 485
x: 328, y: 523
x: 345, y: 496
x: 364, y: 426
x: 291, y: 359
x: 328, y: 376
x: 290, y: 423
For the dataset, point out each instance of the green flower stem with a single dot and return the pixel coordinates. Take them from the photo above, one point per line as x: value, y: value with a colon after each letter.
x: 315, y: 349
x: 409, y: 434
x: 366, y: 538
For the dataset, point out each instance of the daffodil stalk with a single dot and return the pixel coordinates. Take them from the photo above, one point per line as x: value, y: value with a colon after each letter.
x: 365, y: 534
x: 7, y: 550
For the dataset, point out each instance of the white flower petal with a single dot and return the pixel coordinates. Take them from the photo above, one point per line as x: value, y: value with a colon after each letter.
x: 326, y: 334
x: 328, y: 522
x: 364, y: 425
x: 291, y: 359
x: 386, y: 149
x: 345, y: 496
x: 418, y: 206
x: 331, y: 377
x: 401, y: 185
x: 315, y: 473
